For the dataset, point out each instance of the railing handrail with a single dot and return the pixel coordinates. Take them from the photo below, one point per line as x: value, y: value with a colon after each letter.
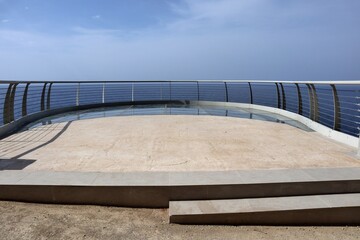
x: 335, y: 82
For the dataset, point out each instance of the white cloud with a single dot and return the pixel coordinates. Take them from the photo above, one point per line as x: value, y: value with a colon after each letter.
x: 95, y: 31
x: 5, y: 20
x: 96, y: 17
x: 202, y: 13
x: 254, y: 14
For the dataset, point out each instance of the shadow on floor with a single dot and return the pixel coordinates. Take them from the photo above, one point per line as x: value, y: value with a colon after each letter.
x: 15, y: 164
x: 18, y: 145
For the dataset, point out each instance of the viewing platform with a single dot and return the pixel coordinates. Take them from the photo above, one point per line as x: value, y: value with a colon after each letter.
x: 209, y: 162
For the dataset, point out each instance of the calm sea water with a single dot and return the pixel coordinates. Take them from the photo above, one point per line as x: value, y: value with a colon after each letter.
x: 63, y: 95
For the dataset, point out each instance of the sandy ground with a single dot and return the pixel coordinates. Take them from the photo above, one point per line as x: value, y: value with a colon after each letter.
x: 170, y: 143
x: 40, y: 221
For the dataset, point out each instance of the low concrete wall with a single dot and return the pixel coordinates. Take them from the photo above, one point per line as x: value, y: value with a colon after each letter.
x: 156, y: 189
x: 325, y: 131
x: 14, y: 126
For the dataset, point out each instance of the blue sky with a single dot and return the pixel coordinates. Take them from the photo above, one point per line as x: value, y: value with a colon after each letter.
x: 179, y: 39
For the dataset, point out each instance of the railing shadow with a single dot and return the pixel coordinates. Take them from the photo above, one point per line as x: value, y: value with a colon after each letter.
x: 15, y: 164
x: 14, y: 147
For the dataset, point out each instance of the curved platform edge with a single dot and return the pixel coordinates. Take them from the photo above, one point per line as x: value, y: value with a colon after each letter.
x: 323, y: 130
x: 16, y: 125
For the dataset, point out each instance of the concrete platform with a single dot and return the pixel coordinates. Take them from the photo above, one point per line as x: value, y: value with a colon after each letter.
x: 170, y: 143
x: 148, y: 161
x: 336, y: 209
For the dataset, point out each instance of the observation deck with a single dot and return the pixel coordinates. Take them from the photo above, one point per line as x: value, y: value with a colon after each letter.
x: 209, y: 150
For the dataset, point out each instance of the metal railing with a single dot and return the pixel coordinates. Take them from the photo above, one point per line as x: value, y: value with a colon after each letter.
x: 334, y: 104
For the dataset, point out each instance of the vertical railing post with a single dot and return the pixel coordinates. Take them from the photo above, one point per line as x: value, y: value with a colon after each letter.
x: 48, y: 100
x: 170, y: 93
x: 161, y: 91
x: 12, y: 101
x: 311, y: 100
x: 226, y: 93
x: 316, y: 103
x: 132, y: 92
x: 278, y: 95
x: 8, y: 112
x: 283, y: 96
x: 48, y: 97
x: 251, y: 94
x: 24, y: 100
x: 336, y: 101
x: 7, y: 104
x: 43, y: 93
x: 78, y: 95
x: 103, y: 94
x: 300, y: 110
x: 198, y: 90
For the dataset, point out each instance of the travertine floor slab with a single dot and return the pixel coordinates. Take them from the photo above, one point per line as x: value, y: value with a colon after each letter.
x: 170, y: 143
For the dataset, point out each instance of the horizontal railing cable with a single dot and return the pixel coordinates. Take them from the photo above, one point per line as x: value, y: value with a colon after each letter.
x: 335, y: 104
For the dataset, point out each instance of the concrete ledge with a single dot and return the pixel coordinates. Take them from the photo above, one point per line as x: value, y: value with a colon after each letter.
x: 337, y: 209
x: 322, y: 129
x: 10, y: 128
x: 156, y: 189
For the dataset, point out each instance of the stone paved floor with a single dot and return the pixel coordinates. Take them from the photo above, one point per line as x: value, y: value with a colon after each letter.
x: 170, y: 143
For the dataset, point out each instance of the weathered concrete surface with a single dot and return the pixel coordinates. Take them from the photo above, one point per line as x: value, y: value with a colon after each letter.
x: 170, y: 143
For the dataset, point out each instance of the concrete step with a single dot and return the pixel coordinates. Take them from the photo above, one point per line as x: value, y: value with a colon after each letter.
x: 156, y: 189
x: 335, y: 209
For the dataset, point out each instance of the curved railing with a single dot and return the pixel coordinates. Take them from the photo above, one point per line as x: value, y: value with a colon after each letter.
x: 334, y: 104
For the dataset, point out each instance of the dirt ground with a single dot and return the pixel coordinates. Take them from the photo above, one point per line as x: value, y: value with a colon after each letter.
x: 42, y: 221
